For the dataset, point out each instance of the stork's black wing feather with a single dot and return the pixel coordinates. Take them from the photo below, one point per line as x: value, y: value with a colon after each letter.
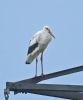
x: 32, y: 48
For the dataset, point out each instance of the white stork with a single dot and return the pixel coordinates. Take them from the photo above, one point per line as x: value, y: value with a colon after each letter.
x: 37, y: 45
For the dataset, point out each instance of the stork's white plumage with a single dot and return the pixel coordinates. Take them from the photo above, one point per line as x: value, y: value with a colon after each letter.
x: 38, y: 44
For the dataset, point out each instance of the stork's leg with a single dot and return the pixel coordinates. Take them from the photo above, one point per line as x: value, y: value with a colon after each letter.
x: 42, y: 63
x: 36, y: 67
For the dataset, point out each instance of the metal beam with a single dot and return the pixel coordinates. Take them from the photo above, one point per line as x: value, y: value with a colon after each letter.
x: 54, y: 75
x: 51, y: 87
x: 60, y: 94
x: 63, y: 91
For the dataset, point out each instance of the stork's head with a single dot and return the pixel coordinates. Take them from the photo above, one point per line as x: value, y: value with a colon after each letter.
x: 49, y: 31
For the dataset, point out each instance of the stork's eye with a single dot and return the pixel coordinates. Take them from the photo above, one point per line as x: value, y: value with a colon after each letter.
x: 46, y: 28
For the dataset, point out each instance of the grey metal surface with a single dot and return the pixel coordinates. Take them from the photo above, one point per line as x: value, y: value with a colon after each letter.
x: 31, y: 85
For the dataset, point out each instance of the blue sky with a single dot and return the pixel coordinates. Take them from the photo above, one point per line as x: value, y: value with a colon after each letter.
x: 19, y: 20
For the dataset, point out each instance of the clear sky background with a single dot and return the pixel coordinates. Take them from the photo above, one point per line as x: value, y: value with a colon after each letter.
x: 19, y: 20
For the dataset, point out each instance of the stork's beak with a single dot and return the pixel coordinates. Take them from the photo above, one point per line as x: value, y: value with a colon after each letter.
x: 52, y: 35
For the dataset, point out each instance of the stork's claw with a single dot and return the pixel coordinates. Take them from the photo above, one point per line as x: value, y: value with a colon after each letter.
x: 43, y: 75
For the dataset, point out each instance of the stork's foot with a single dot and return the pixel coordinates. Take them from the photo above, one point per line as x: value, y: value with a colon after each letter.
x: 35, y: 76
x: 42, y: 75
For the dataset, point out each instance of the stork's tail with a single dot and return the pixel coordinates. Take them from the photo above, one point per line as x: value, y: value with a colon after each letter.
x: 27, y: 62
x: 30, y: 59
x: 32, y: 56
